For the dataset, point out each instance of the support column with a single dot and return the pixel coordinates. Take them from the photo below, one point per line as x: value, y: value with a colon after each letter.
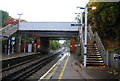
x: 18, y: 43
x: 9, y: 47
x: 44, y: 45
x: 25, y: 43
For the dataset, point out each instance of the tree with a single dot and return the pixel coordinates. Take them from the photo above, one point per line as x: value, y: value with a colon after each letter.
x: 11, y: 21
x: 54, y: 44
x: 106, y: 19
x: 4, y: 16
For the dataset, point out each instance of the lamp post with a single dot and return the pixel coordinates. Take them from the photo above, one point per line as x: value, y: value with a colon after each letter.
x: 20, y: 35
x: 20, y: 16
x: 85, y: 33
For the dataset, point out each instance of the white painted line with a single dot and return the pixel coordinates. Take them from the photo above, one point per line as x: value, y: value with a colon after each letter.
x: 51, y: 71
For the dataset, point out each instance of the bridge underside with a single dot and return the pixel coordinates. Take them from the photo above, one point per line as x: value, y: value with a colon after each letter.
x: 53, y: 35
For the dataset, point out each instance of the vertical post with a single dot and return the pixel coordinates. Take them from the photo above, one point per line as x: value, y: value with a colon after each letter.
x: 81, y: 23
x: 85, y: 43
x: 107, y: 58
x: 12, y: 49
x: 25, y: 44
x: 9, y: 47
x: 19, y: 43
x: 34, y: 47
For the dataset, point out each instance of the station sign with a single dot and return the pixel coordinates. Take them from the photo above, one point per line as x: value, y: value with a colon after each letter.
x: 76, y: 24
x: 4, y: 37
x: 117, y: 57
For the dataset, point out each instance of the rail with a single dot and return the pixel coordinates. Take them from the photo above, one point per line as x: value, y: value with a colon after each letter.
x: 100, y: 46
x: 81, y: 41
x: 95, y: 37
x: 90, y: 34
x: 31, y: 68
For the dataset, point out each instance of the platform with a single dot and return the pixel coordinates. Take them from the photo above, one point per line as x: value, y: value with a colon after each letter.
x: 11, y: 56
x: 70, y: 69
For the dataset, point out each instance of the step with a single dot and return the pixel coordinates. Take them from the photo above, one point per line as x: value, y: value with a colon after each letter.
x: 95, y: 64
x: 92, y: 47
x: 94, y: 56
x: 91, y: 43
x: 95, y: 59
x: 93, y: 52
x: 91, y: 61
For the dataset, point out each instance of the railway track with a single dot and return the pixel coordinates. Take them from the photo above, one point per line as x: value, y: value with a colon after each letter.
x: 29, y: 69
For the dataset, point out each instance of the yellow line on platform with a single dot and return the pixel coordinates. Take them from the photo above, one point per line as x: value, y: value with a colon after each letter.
x: 61, y: 74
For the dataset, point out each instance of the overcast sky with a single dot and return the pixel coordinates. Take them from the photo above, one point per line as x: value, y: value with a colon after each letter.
x: 43, y: 10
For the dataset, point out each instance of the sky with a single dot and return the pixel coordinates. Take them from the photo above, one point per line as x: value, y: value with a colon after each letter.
x: 43, y: 10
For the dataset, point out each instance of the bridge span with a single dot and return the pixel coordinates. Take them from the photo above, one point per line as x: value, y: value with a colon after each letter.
x: 48, y: 26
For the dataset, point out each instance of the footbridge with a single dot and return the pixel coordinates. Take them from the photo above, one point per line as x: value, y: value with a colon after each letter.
x: 42, y: 29
x: 49, y: 29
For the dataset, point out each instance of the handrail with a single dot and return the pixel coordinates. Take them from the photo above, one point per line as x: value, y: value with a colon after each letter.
x: 9, y: 30
x: 98, y: 40
x: 90, y: 34
x: 100, y: 46
x: 94, y: 37
x: 81, y: 41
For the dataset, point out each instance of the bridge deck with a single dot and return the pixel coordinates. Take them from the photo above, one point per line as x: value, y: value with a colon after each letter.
x: 48, y: 26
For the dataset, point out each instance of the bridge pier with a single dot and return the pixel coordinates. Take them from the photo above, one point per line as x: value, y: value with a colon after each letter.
x: 45, y: 44
x: 18, y: 43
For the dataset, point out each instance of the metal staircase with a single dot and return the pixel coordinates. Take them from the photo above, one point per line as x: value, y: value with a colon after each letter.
x: 94, y: 57
x: 95, y: 50
x: 9, y: 30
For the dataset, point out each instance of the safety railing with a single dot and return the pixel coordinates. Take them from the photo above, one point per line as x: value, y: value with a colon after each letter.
x: 100, y: 46
x: 81, y: 41
x: 9, y: 30
x: 90, y: 34
x: 95, y: 37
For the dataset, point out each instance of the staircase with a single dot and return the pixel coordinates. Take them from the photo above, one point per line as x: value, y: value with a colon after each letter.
x: 94, y: 50
x: 94, y: 57
x: 9, y: 30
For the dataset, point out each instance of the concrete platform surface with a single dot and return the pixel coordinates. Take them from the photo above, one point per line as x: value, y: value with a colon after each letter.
x: 70, y: 69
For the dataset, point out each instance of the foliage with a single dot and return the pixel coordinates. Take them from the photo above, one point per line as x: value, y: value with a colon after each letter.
x: 54, y: 44
x: 66, y: 43
x: 106, y: 19
x: 5, y: 16
x: 11, y: 21
x: 117, y: 50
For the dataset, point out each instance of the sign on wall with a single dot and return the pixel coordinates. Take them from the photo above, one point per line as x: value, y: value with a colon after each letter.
x: 117, y: 57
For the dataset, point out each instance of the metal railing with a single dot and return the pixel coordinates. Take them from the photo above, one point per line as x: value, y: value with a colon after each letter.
x: 95, y: 37
x: 90, y: 34
x: 9, y: 30
x: 81, y: 41
x: 100, y: 46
